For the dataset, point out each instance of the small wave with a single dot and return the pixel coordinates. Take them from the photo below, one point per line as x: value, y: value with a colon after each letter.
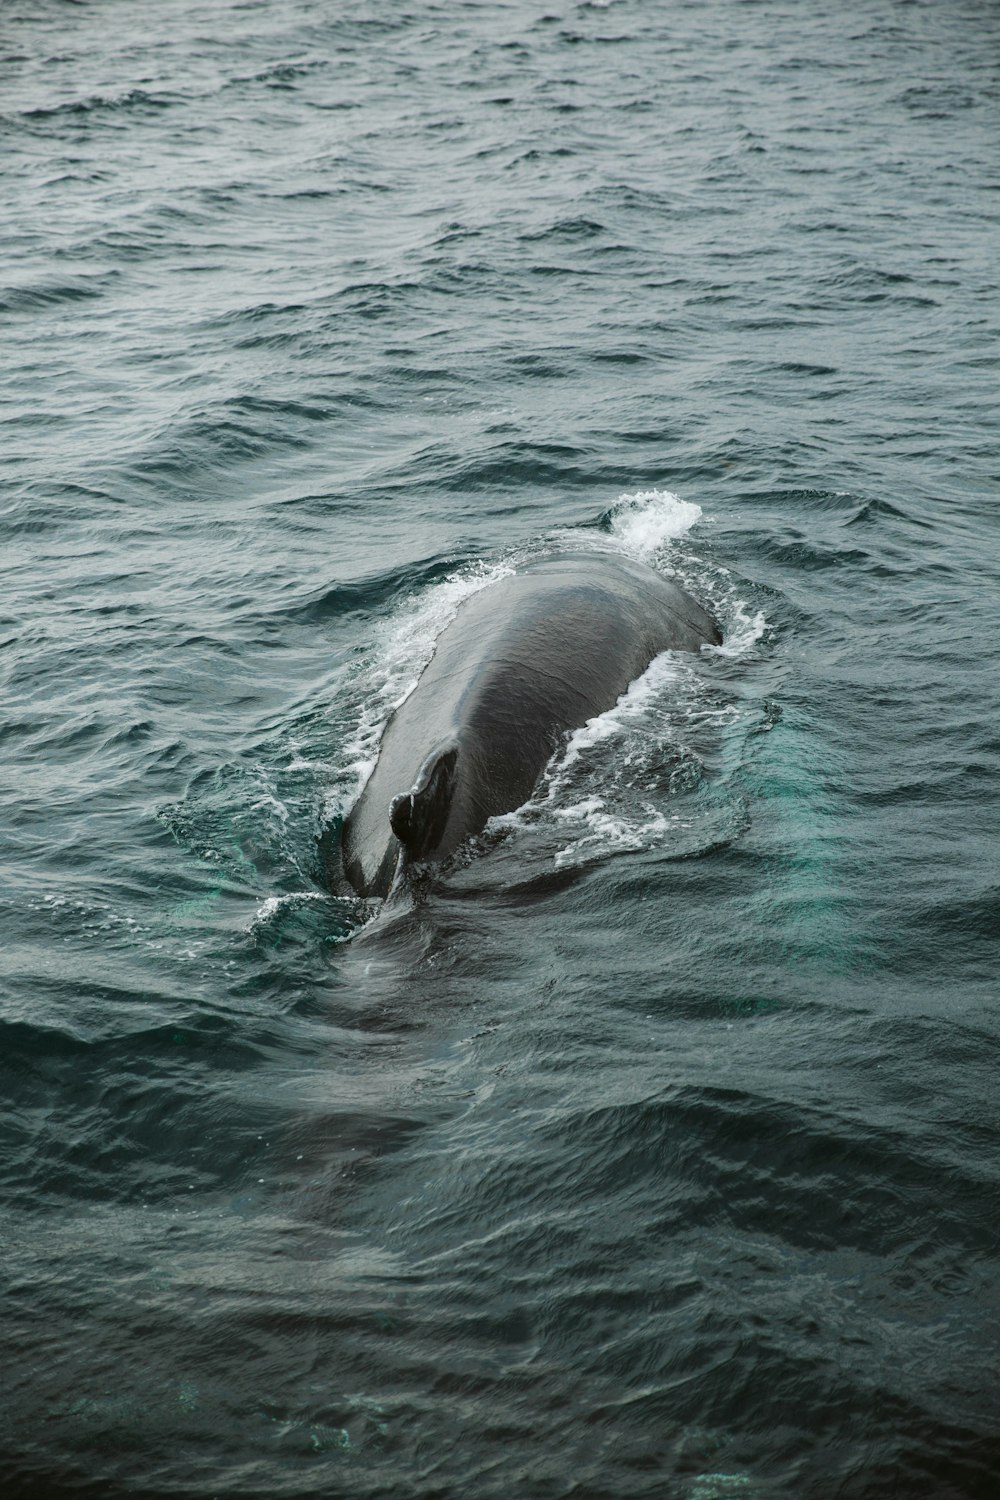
x: 241, y: 820
x: 272, y: 906
x: 284, y: 74
x: 609, y: 832
x: 134, y: 98
x: 569, y: 228
x: 41, y: 294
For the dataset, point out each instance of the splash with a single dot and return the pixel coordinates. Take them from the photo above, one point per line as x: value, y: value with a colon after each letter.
x: 743, y: 629
x: 631, y: 709
x: 594, y: 785
x: 646, y: 521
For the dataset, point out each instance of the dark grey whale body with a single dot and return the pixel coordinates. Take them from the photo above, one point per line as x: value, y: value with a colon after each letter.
x: 524, y: 660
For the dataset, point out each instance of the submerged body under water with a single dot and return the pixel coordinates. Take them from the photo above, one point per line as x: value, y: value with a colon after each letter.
x: 653, y: 1152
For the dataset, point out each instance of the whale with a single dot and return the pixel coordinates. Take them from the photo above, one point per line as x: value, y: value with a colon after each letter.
x: 524, y: 661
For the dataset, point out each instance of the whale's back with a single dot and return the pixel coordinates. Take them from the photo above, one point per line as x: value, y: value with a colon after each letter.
x: 524, y: 660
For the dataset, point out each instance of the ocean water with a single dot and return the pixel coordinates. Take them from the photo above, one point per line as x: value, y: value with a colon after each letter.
x: 656, y: 1154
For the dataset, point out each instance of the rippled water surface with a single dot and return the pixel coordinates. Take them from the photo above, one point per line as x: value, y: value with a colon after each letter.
x: 654, y: 1154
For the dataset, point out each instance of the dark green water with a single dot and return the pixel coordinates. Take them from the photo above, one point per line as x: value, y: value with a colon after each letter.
x: 656, y: 1156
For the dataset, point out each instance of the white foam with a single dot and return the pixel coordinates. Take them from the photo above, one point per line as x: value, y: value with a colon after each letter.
x: 645, y: 521
x: 271, y: 905
x: 266, y: 910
